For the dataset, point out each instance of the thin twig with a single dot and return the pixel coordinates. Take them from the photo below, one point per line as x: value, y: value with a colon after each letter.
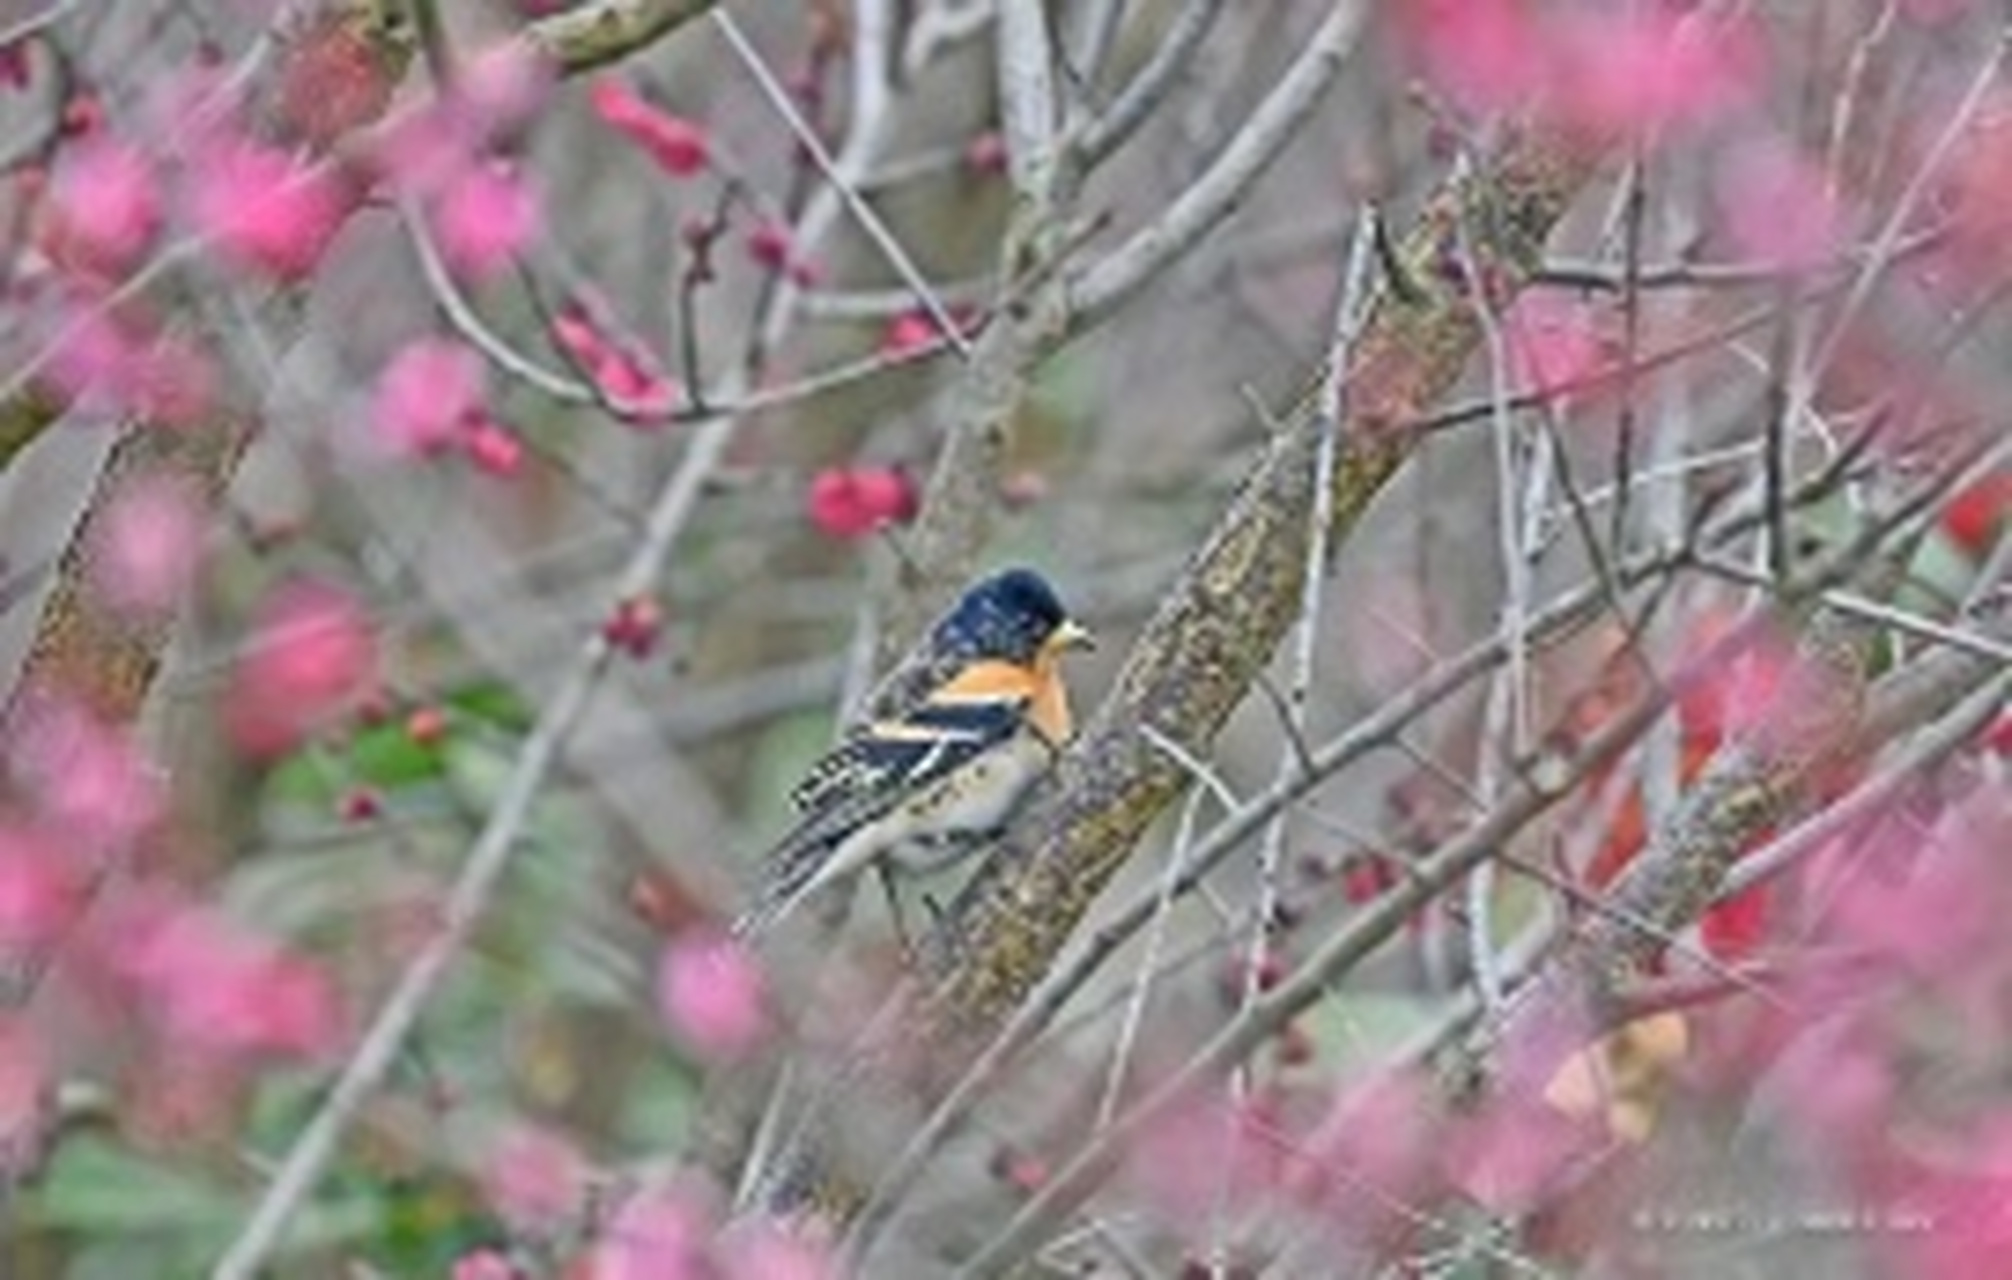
x: 844, y: 172
x: 1148, y: 87
x: 1105, y: 286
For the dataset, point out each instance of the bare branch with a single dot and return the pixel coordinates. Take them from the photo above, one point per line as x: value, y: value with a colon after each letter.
x: 1148, y: 88
x: 1212, y: 197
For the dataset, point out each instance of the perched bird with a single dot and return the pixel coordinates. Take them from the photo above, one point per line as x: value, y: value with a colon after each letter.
x: 966, y: 723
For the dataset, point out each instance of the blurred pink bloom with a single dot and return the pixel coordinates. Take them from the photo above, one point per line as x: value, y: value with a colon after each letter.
x: 120, y: 365
x: 634, y: 626
x: 533, y: 1177
x: 1486, y: 55
x: 712, y: 995
x: 148, y: 545
x: 26, y: 1089
x: 679, y: 146
x: 311, y: 655
x: 263, y: 209
x: 627, y: 376
x: 426, y: 394
x: 484, y: 1264
x: 770, y: 245
x: 89, y: 778
x: 763, y: 1252
x: 851, y: 502
x: 658, y: 1234
x: 1202, y: 1150
x: 915, y: 328
x: 911, y: 330
x: 1378, y: 1133
x: 644, y: 396
x: 484, y: 218
x: 1634, y: 73
x: 492, y: 447
x: 1777, y: 209
x: 500, y: 88
x: 577, y: 334
x: 170, y: 381
x: 1959, y: 1195
x: 215, y: 989
x: 39, y: 891
x: 985, y: 153
x: 104, y: 206
x: 14, y: 69
x: 1553, y: 343
x: 1512, y: 1154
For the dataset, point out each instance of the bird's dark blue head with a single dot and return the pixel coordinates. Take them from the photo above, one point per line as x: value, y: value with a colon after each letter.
x: 1008, y: 616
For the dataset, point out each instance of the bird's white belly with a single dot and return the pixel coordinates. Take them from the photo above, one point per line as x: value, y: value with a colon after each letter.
x: 977, y: 798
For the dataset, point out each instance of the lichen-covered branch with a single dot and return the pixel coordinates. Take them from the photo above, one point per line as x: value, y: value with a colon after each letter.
x: 595, y: 35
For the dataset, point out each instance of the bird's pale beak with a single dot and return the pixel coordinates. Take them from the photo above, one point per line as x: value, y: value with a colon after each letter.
x: 1072, y: 635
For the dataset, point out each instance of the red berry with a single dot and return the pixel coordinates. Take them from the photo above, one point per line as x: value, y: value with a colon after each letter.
x: 986, y: 153
x: 361, y: 805
x: 426, y: 726
x: 634, y: 626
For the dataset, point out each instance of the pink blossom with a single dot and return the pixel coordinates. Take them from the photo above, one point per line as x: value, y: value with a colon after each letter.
x: 1205, y: 1147
x: 485, y: 218
x: 218, y: 990
x: 104, y: 206
x: 644, y: 396
x: 712, y: 994
x: 311, y: 655
x: 657, y: 1234
x: 851, y: 502
x: 492, y: 447
x: 1513, y: 1153
x: 679, y: 146
x: 1777, y: 208
x: 762, y: 1252
x: 501, y: 88
x: 39, y: 891
x: 577, y: 335
x: 770, y: 245
x: 1486, y: 55
x: 484, y: 1264
x: 89, y: 777
x: 1553, y: 343
x: 1637, y: 72
x: 15, y: 71
x: 27, y: 1081
x: 533, y: 1177
x: 170, y: 381
x: 911, y: 330
x: 121, y: 364
x: 148, y: 545
x: 628, y: 377
x: 425, y: 395
x: 985, y: 153
x: 263, y: 209
x: 915, y: 329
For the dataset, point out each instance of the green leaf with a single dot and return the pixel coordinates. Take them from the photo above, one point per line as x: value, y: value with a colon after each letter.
x: 1357, y: 1029
x: 95, y: 1187
x: 385, y: 757
x: 491, y: 702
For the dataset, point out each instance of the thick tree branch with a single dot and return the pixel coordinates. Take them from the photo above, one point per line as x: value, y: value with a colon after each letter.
x: 594, y: 35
